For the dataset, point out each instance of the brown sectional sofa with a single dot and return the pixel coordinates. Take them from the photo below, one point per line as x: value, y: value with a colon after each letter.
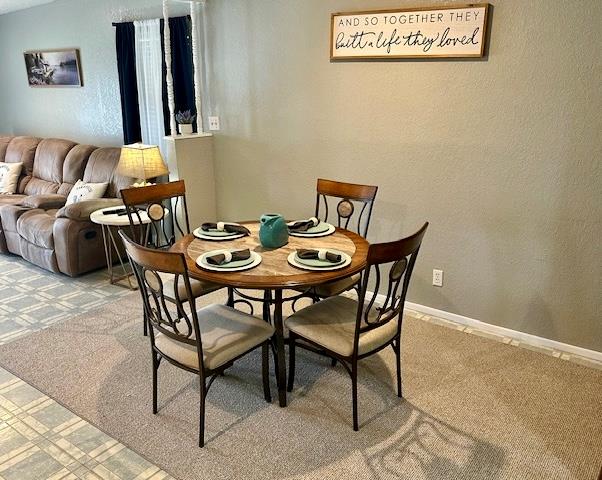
x: 35, y: 223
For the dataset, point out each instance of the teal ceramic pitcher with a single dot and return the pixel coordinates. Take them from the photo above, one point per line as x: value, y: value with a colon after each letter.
x: 273, y: 232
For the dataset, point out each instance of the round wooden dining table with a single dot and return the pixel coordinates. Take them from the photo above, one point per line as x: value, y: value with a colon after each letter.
x: 274, y: 274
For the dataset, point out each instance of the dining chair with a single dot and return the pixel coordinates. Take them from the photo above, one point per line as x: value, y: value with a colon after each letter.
x: 165, y: 206
x: 353, y: 212
x: 349, y: 330
x: 205, y: 341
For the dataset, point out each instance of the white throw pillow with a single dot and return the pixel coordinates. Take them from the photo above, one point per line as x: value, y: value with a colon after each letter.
x: 86, y: 191
x: 9, y: 177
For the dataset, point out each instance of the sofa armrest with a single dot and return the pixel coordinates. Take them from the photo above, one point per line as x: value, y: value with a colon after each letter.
x: 45, y: 202
x: 81, y: 210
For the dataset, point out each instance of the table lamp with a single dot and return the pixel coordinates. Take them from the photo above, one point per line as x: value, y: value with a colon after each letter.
x: 141, y: 162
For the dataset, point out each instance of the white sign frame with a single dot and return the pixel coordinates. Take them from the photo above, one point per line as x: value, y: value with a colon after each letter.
x: 423, y: 32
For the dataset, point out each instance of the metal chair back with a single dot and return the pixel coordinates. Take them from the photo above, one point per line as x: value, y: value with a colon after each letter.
x: 167, y: 316
x: 389, y: 269
x: 354, y: 207
x: 165, y: 206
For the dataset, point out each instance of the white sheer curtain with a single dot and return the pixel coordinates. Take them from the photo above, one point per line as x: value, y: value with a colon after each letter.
x: 149, y: 77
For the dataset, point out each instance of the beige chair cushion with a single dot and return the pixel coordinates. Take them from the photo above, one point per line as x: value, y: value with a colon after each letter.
x: 198, y: 287
x: 330, y: 289
x: 226, y: 333
x: 331, y: 324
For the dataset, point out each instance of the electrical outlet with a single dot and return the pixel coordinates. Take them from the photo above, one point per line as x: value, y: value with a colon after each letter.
x: 437, y: 278
x: 214, y: 123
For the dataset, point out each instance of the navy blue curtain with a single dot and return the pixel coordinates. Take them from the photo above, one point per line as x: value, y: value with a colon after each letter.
x: 181, y: 70
x: 126, y: 68
x: 181, y: 67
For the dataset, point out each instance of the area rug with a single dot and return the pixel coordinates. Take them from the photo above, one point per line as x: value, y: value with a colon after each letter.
x: 473, y: 408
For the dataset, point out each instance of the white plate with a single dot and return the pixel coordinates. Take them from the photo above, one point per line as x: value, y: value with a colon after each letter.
x: 203, y: 264
x: 295, y: 263
x: 314, y: 262
x: 330, y: 231
x: 198, y: 233
x: 319, y: 228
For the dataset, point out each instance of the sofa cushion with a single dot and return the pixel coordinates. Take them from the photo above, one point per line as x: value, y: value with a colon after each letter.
x: 35, y: 226
x: 101, y: 168
x: 22, y: 149
x: 52, y: 200
x: 82, y: 210
x: 74, y: 166
x: 47, y: 174
x: 4, y: 141
x: 9, y: 177
x: 9, y: 214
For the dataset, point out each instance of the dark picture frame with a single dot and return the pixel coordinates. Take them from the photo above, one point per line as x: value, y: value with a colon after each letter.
x: 53, y: 68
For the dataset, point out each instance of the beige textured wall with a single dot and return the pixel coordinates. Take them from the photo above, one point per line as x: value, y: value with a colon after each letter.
x: 502, y: 156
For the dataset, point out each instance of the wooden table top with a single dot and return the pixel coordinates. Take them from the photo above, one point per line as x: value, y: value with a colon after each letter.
x: 274, y: 271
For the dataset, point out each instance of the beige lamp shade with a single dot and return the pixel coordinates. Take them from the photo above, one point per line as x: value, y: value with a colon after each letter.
x: 141, y: 162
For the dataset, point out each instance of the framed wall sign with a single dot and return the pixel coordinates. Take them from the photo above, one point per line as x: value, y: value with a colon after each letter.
x: 450, y: 31
x: 53, y: 68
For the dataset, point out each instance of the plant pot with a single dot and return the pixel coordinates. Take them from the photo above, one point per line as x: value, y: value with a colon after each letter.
x: 185, y: 128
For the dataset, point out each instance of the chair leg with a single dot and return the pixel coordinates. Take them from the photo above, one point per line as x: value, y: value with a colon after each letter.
x: 397, y: 349
x: 273, y: 346
x: 145, y: 324
x: 354, y: 394
x: 155, y: 373
x: 265, y: 371
x: 202, y: 413
x: 291, y: 362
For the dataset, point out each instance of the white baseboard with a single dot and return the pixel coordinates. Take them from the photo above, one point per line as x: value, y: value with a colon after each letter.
x: 527, y: 338
x: 523, y: 337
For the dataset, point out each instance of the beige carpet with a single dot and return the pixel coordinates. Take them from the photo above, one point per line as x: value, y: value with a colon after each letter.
x: 474, y: 408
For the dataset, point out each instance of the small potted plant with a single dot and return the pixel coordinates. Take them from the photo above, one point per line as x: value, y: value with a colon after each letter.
x: 185, y: 120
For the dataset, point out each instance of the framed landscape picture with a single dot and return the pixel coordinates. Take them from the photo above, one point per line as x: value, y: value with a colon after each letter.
x: 53, y: 68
